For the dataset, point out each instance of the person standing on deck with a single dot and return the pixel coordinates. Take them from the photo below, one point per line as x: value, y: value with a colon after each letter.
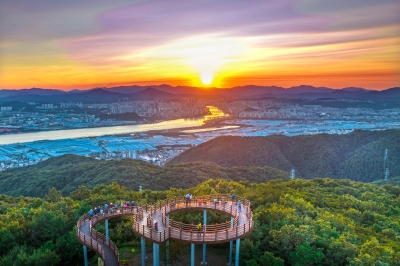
x: 198, y: 228
x: 156, y: 225
x: 239, y: 206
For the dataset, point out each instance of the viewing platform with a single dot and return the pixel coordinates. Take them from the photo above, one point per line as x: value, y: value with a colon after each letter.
x: 144, y: 216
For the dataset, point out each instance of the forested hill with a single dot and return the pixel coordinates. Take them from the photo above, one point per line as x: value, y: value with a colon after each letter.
x: 393, y: 181
x: 357, y: 156
x: 299, y: 222
x: 68, y: 172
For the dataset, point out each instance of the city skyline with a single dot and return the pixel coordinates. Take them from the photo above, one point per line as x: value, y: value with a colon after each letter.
x: 79, y: 45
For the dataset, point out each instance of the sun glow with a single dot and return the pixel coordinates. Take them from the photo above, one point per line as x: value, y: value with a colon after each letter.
x: 207, y: 78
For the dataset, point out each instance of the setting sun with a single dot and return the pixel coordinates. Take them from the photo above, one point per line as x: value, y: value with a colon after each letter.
x: 207, y: 78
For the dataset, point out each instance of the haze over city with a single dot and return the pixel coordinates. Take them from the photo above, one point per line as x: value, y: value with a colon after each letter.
x: 85, y: 44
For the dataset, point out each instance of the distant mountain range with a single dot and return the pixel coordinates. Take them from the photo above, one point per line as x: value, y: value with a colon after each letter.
x: 167, y: 92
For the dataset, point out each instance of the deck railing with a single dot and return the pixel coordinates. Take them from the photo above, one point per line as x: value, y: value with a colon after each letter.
x: 213, y: 233
x: 188, y: 232
x: 97, y: 237
x: 89, y: 241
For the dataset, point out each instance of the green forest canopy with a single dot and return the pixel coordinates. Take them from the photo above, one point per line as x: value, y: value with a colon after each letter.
x: 68, y: 172
x: 357, y: 156
x: 298, y: 222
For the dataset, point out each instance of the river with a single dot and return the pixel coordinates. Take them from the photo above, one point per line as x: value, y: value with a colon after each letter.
x: 98, y: 131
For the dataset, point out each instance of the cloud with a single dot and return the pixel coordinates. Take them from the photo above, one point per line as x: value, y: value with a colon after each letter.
x: 143, y: 26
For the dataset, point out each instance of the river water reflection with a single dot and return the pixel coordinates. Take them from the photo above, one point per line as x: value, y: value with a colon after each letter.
x: 98, y: 131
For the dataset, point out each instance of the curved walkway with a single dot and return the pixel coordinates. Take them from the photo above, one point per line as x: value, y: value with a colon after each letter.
x: 168, y: 229
x: 95, y: 240
x: 241, y: 224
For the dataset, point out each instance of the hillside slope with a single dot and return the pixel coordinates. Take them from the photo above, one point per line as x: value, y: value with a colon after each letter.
x: 299, y: 222
x: 357, y: 156
x: 68, y: 172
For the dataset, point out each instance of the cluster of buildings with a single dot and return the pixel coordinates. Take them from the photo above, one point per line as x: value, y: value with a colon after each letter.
x: 269, y: 109
x: 51, y: 116
x: 155, y: 149
x: 159, y: 149
x: 43, y: 121
x: 187, y: 107
x: 246, y: 118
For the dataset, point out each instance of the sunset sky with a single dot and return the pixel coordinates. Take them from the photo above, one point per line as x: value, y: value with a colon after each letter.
x: 80, y: 44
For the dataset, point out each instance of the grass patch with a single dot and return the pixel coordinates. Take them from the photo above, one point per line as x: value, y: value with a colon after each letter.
x: 126, y: 253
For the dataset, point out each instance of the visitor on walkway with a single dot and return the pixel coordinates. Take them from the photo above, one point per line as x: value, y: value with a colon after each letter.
x: 199, y: 228
x: 215, y: 202
x: 90, y: 214
x: 106, y: 208
x: 233, y: 197
x: 200, y: 202
x: 98, y: 209
x: 187, y: 197
x: 239, y: 206
x: 156, y: 225
x: 102, y: 211
x: 111, y: 207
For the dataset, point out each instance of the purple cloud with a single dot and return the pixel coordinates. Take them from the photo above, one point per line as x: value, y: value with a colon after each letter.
x: 145, y: 25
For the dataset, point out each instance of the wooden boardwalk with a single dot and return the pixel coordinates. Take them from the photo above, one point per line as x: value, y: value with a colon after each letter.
x: 144, y: 216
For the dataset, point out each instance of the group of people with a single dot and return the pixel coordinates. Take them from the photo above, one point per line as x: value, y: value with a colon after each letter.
x: 100, y: 210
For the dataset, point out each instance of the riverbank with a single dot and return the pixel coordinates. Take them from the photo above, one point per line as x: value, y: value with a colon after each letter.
x: 98, y: 131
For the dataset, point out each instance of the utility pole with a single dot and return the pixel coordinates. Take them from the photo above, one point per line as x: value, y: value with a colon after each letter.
x: 386, y: 165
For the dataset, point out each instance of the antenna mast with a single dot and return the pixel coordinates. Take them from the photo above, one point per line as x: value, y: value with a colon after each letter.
x: 292, y: 174
x: 386, y: 165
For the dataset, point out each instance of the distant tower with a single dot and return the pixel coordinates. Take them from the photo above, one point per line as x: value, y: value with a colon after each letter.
x: 292, y: 174
x: 386, y: 165
x: 140, y: 188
